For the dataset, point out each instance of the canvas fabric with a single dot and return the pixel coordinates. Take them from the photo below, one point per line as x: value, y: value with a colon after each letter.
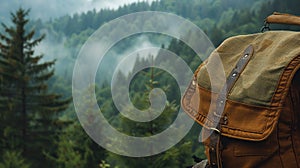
x: 262, y: 109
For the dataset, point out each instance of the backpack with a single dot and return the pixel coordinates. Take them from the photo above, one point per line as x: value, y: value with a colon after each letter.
x: 246, y: 96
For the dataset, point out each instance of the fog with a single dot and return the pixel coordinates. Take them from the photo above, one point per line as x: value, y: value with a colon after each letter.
x: 55, y: 8
x: 65, y: 60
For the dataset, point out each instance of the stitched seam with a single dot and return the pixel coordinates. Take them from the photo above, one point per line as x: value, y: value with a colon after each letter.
x: 293, y: 66
x: 200, y: 117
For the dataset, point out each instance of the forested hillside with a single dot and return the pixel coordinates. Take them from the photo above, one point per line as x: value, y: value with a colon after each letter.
x: 219, y: 19
x: 59, y: 140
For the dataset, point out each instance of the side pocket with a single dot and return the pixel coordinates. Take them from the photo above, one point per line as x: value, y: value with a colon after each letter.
x: 253, y: 148
x: 254, y: 154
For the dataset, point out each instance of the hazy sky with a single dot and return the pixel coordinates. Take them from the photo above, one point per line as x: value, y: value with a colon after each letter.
x: 46, y: 9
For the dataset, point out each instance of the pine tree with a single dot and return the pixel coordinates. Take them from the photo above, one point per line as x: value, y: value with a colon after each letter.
x: 28, y: 110
x: 140, y: 88
x: 75, y: 149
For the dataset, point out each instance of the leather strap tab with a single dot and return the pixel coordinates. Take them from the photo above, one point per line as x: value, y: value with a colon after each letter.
x: 233, y: 76
x: 283, y: 18
x: 214, y: 150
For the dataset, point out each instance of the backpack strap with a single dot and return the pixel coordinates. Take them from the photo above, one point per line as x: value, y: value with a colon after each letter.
x: 214, y: 147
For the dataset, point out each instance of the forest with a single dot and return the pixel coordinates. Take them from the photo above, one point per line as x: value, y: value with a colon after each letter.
x: 38, y: 123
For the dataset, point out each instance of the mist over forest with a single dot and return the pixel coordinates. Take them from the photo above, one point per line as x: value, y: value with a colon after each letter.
x: 56, y: 8
x: 59, y: 140
x: 66, y: 34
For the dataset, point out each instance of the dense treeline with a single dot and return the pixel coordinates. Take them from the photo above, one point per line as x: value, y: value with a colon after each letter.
x: 219, y: 19
x: 205, y: 13
x: 35, y: 135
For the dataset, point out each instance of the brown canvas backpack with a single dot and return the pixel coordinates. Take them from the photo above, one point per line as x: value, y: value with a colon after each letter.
x: 246, y: 96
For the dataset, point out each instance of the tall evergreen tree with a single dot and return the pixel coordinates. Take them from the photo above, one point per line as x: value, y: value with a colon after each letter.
x: 28, y: 110
x: 140, y: 88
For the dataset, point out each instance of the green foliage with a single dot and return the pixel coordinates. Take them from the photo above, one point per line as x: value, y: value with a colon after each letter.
x: 67, y: 156
x: 103, y: 164
x: 13, y: 159
x: 176, y: 156
x: 77, y: 40
x: 73, y: 149
x: 28, y: 111
x: 191, y: 9
x: 141, y: 85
